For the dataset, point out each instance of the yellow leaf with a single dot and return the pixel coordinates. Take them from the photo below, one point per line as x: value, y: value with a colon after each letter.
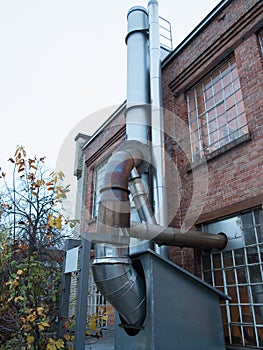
x: 35, y: 194
x: 40, y: 311
x: 30, y: 339
x: 20, y: 272
x: 41, y: 328
x: 51, y: 347
x: 60, y: 344
x: 15, y: 283
x: 18, y: 298
x: 58, y: 223
x: 31, y: 318
x: 67, y: 337
x: 45, y: 324
x: 55, y: 222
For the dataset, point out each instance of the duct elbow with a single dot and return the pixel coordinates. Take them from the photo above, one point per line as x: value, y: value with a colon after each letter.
x: 124, y: 288
x: 115, y: 276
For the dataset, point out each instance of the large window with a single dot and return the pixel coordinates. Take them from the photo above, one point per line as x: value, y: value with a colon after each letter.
x: 98, y: 181
x: 216, y: 111
x: 238, y: 272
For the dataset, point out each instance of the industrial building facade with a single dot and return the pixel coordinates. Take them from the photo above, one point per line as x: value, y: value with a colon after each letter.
x: 212, y: 86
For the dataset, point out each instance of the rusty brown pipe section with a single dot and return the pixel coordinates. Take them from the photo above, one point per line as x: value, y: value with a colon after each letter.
x: 113, y: 272
x: 114, y: 207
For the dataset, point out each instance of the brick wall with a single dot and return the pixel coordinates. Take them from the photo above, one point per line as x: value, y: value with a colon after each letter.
x: 234, y: 178
x: 100, y: 149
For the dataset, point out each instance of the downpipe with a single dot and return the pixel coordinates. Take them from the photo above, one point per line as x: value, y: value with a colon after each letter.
x: 113, y: 272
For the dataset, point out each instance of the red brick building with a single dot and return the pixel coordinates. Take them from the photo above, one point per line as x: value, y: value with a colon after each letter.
x: 212, y: 86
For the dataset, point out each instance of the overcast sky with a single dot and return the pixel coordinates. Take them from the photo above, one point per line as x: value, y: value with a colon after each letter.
x: 62, y: 61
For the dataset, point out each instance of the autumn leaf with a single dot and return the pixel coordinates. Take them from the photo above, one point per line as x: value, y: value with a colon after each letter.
x: 42, y: 325
x: 18, y: 298
x: 67, y: 337
x: 30, y: 339
x: 40, y: 311
x: 55, y: 222
x: 11, y: 160
x: 32, y: 317
x: 20, y: 272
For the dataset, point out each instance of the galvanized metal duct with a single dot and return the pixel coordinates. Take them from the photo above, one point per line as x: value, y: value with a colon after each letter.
x: 140, y: 198
x: 138, y: 114
x: 158, y: 148
x: 138, y: 94
x: 113, y: 272
x: 162, y: 235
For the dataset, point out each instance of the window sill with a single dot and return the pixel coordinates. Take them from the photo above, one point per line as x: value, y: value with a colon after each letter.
x: 219, y: 152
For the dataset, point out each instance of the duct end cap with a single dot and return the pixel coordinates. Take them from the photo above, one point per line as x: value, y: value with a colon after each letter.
x: 137, y: 8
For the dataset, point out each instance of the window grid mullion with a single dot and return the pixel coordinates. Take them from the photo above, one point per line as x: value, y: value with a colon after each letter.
x: 251, y: 297
x: 198, y: 126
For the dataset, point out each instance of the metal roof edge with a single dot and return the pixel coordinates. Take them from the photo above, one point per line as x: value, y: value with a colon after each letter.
x: 220, y: 294
x: 107, y: 121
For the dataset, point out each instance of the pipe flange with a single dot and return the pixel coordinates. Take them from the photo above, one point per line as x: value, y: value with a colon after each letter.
x: 129, y: 145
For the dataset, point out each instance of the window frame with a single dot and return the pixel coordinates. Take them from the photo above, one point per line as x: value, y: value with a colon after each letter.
x: 216, y: 111
x: 238, y: 272
x: 260, y: 38
x: 99, y: 170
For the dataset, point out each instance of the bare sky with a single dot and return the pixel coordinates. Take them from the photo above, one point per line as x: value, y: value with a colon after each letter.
x: 62, y: 61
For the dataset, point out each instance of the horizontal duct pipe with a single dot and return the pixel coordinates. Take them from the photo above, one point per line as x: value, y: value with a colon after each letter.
x: 174, y: 237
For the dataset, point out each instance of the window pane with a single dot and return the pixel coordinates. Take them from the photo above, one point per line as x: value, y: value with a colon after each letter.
x: 241, y: 269
x: 230, y: 276
x: 98, y: 180
x: 217, y: 98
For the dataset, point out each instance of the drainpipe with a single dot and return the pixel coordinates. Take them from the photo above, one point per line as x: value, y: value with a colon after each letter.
x: 158, y: 149
x: 113, y: 272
